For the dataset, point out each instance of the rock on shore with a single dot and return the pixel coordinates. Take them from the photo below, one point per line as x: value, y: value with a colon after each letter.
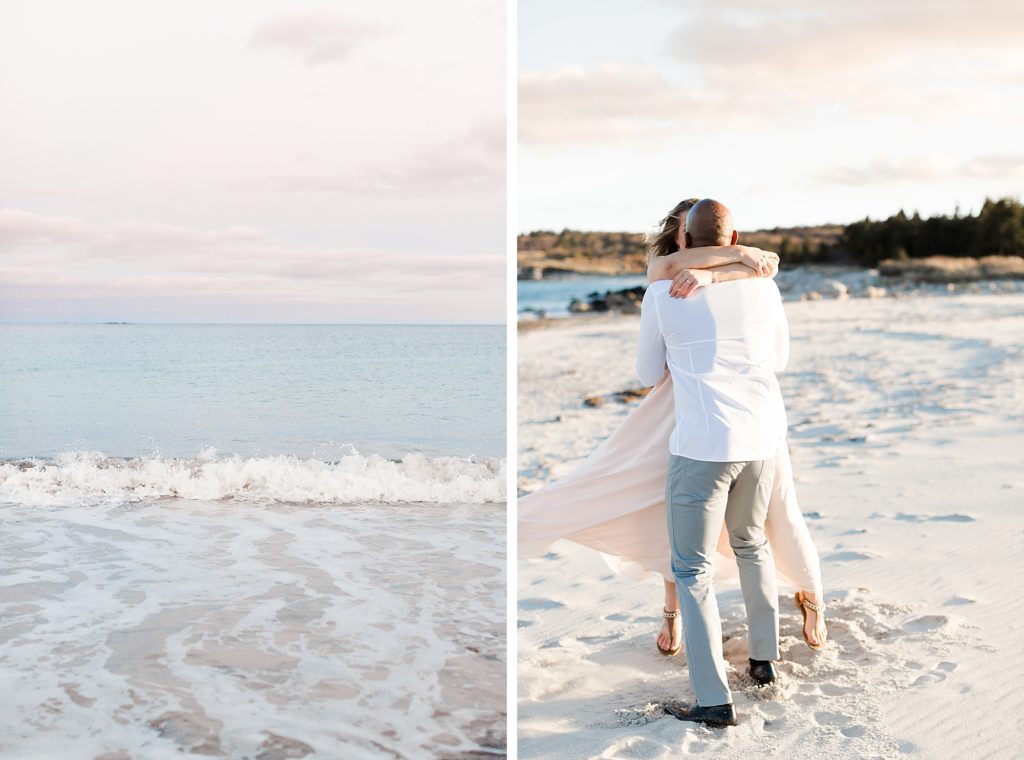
x: 814, y: 283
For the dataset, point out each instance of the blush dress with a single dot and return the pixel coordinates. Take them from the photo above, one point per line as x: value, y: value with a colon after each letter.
x: 614, y: 502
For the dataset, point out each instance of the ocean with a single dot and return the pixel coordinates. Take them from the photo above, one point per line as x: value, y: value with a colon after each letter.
x: 286, y: 412
x: 252, y: 541
x: 552, y: 296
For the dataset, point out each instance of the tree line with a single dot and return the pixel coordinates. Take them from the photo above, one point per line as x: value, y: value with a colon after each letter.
x: 997, y: 228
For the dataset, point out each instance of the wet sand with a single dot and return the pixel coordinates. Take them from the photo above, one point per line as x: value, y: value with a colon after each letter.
x: 217, y: 628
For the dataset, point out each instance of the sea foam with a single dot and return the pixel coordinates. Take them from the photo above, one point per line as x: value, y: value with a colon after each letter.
x: 91, y: 477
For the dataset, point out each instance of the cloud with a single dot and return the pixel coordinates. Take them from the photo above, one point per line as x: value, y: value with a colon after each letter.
x: 917, y: 56
x: 781, y: 61
x: 909, y: 170
x: 1002, y: 165
x: 468, y: 162
x: 607, y: 102
x: 924, y: 170
x: 803, y: 38
x: 316, y: 36
x: 64, y: 258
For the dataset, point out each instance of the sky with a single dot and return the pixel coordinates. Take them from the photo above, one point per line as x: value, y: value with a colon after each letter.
x: 791, y: 112
x: 265, y: 161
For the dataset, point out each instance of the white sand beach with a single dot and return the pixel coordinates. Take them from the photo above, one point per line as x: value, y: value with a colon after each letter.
x: 907, y: 433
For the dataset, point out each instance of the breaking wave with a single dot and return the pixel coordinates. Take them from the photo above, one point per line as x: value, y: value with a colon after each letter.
x: 90, y: 477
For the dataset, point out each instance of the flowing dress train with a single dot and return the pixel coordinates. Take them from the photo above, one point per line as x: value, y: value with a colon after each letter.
x: 615, y: 503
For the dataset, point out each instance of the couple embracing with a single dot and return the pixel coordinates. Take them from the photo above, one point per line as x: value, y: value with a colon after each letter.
x: 697, y: 483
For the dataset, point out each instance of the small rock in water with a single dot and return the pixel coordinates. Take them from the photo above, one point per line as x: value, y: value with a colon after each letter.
x: 837, y: 289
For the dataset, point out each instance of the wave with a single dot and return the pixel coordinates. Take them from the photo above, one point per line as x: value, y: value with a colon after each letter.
x: 90, y: 477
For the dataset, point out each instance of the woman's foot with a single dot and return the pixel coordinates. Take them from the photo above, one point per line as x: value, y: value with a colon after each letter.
x: 670, y: 638
x: 813, y: 610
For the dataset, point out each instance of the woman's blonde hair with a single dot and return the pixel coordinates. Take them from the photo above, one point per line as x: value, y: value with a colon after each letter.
x: 664, y: 241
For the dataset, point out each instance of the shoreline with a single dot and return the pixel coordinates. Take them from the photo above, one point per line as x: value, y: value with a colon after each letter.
x: 805, y: 283
x: 933, y: 269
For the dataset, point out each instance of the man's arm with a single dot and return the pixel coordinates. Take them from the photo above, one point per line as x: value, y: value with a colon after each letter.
x: 650, y: 353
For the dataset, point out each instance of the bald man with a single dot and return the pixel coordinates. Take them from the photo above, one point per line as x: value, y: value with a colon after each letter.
x: 710, y: 223
x: 722, y: 346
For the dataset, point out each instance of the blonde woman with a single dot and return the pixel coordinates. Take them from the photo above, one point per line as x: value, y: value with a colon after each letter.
x: 615, y: 501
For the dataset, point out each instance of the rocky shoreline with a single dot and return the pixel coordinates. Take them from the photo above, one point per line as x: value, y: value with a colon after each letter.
x: 891, y: 279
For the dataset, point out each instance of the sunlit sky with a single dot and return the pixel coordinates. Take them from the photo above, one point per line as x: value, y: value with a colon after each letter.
x: 258, y: 161
x: 790, y: 111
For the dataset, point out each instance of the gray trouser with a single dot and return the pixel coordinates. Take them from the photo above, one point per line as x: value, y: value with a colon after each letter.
x: 699, y: 496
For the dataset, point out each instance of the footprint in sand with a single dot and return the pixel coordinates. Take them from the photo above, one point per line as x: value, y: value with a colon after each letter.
x: 850, y: 556
x: 645, y: 620
x: 938, y: 674
x: 836, y: 690
x: 929, y: 679
x: 636, y: 748
x: 774, y: 716
x: 538, y: 603
x: 598, y: 639
x: 956, y: 601
x: 925, y: 623
x: 638, y: 715
x: 934, y: 518
x: 840, y: 721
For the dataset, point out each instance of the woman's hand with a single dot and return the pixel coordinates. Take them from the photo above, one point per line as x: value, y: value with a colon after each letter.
x: 764, y: 263
x: 688, y: 280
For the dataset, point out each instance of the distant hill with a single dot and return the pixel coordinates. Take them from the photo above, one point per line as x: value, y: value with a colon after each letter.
x: 546, y: 253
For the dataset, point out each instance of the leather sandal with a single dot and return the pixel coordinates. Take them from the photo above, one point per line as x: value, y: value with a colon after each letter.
x: 819, y: 627
x: 669, y: 617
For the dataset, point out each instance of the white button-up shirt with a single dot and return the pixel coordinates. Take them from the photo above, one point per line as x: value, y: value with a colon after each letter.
x: 723, y: 345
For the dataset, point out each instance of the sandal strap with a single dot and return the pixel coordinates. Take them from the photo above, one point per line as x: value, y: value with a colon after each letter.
x: 669, y: 615
x: 812, y: 606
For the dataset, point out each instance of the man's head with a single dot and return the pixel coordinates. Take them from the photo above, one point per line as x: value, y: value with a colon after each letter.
x: 710, y: 223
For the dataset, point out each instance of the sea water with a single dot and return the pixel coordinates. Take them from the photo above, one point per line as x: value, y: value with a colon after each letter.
x: 252, y: 541
x: 553, y: 295
x: 252, y: 390
x: 326, y: 413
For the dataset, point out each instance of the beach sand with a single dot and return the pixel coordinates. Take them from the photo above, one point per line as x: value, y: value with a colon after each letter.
x: 907, y: 434
x: 191, y: 628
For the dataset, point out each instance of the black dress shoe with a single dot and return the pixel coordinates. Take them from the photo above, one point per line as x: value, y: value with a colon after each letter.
x: 717, y: 716
x: 762, y: 671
